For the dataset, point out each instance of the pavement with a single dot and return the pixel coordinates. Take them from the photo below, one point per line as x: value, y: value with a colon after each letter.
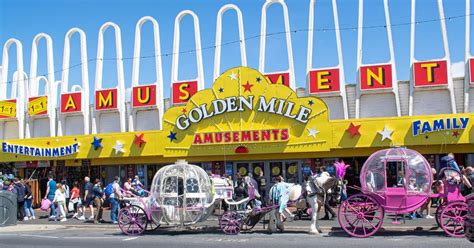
x: 74, y: 233
x: 42, y: 223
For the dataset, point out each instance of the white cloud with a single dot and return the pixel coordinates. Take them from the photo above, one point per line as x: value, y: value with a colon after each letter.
x: 457, y: 69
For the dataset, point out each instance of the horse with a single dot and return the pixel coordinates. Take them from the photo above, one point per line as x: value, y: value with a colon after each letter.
x: 315, y: 191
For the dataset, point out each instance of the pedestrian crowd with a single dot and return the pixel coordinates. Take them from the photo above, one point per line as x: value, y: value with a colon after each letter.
x: 61, y: 200
x: 24, y: 194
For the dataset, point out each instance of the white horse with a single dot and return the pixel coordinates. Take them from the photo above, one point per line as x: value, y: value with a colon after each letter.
x: 316, y: 190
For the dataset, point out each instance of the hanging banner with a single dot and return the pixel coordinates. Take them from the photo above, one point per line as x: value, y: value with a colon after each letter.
x: 324, y: 81
x: 37, y: 105
x: 71, y: 102
x: 8, y: 109
x: 429, y: 73
x: 279, y: 78
x: 183, y: 91
x: 144, y: 96
x: 106, y: 99
x: 376, y: 77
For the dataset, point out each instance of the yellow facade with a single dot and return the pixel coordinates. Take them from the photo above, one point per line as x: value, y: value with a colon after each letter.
x: 252, y: 127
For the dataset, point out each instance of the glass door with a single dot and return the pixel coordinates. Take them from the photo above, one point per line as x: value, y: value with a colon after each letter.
x: 257, y: 168
x: 242, y: 169
x: 276, y: 169
x: 291, y: 169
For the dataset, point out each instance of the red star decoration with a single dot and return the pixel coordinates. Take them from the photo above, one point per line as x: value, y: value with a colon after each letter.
x: 139, y: 141
x: 456, y: 133
x: 353, y: 130
x: 247, y: 87
x: 184, y: 110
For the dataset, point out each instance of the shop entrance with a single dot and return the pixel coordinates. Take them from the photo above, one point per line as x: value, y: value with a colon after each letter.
x: 290, y: 170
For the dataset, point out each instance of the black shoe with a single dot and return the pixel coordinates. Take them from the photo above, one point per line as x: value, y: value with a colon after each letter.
x: 333, y: 217
x: 325, y: 218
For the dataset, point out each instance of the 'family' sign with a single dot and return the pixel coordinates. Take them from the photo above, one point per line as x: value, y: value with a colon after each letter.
x: 421, y: 127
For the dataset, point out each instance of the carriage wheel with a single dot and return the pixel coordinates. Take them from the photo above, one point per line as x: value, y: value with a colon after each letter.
x: 360, y: 216
x: 152, y: 225
x: 231, y: 222
x: 438, y: 213
x: 469, y: 197
x: 452, y: 219
x: 132, y: 220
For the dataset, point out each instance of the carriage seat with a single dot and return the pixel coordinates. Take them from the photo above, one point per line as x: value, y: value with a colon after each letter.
x: 232, y: 202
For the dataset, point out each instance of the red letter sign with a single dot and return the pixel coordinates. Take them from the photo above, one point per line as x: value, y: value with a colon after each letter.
x: 324, y: 81
x: 143, y: 96
x: 471, y: 73
x: 71, y: 102
x: 429, y: 73
x: 376, y: 77
x: 279, y: 78
x: 106, y: 99
x: 183, y: 91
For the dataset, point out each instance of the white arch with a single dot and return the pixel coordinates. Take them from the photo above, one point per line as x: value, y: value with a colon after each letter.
x: 340, y: 65
x: 158, y: 69
x: 17, y: 88
x: 197, y: 40
x: 120, y: 75
x: 467, y: 57
x: 83, y: 88
x: 446, y: 57
x: 263, y: 33
x: 50, y: 87
x: 391, y: 61
x: 218, y: 45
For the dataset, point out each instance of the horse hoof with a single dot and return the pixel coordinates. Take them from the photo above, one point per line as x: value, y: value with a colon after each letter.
x: 314, y: 232
x: 320, y: 231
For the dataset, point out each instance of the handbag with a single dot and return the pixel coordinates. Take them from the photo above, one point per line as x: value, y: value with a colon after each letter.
x: 70, y: 207
x: 45, y: 205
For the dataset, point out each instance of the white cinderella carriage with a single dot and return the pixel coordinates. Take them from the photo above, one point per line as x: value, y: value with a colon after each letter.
x: 181, y: 194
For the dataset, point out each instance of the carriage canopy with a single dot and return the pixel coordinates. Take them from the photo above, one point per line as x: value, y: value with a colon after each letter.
x: 182, y: 192
x: 396, y: 168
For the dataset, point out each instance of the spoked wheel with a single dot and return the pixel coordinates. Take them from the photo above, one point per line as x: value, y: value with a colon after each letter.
x: 438, y: 213
x: 132, y: 220
x: 452, y: 219
x: 152, y: 225
x: 360, y: 216
x: 251, y: 221
x: 231, y: 222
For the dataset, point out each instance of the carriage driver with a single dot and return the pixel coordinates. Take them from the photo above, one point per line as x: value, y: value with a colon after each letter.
x: 282, y: 195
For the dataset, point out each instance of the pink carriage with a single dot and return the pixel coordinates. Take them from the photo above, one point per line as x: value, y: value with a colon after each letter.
x: 398, y: 180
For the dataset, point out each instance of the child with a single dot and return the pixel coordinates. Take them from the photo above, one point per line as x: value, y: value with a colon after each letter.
x: 75, y: 199
x: 60, y: 200
x: 30, y: 214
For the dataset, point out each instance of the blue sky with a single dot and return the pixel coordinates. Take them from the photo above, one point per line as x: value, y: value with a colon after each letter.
x: 23, y: 19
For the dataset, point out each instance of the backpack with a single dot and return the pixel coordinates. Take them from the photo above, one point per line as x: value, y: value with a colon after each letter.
x: 449, y: 162
x: 20, y: 192
x: 445, y: 161
x: 109, y: 190
x: 331, y: 170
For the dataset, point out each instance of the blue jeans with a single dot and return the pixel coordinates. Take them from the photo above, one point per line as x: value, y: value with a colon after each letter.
x: 114, y: 205
x: 53, y: 206
x: 29, y: 208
